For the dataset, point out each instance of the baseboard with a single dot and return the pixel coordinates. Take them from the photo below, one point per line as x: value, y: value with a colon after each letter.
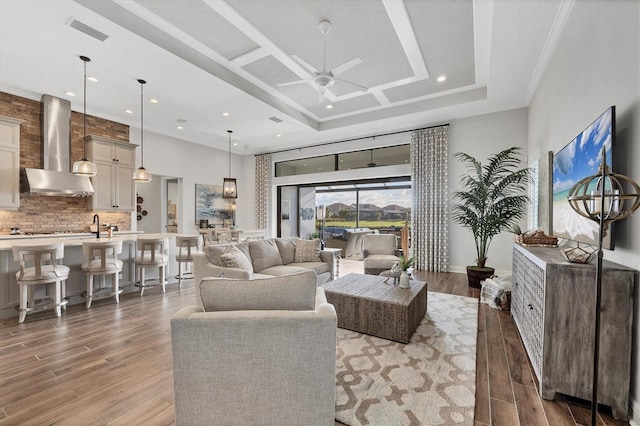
x: 634, y: 419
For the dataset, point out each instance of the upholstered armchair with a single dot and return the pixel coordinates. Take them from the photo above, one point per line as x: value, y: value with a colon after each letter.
x: 257, y: 352
x: 379, y: 252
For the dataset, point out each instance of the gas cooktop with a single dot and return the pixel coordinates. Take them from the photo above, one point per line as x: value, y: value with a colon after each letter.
x: 54, y: 232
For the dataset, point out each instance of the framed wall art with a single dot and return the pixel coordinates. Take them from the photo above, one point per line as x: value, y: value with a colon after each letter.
x: 211, y: 206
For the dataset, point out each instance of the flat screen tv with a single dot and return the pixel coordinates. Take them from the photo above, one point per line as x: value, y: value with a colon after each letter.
x: 578, y: 159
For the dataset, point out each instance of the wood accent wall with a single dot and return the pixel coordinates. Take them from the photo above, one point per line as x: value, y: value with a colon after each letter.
x: 49, y: 213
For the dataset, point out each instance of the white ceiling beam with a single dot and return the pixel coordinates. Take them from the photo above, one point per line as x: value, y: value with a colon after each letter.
x: 402, y: 24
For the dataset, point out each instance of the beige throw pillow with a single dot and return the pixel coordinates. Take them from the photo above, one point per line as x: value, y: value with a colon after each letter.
x: 307, y: 251
x: 234, y: 258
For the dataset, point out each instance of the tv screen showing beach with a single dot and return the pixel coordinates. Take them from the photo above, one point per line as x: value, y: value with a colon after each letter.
x: 579, y: 159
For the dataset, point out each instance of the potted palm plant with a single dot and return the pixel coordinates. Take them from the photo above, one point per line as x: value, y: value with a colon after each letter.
x: 492, y: 200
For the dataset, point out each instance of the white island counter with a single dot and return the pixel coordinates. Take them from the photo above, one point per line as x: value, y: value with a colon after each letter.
x: 73, y: 258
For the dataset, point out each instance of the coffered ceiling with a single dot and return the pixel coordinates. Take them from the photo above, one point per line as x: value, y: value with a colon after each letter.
x: 412, y: 63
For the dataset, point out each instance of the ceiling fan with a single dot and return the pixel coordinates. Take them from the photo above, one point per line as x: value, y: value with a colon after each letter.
x: 326, y: 78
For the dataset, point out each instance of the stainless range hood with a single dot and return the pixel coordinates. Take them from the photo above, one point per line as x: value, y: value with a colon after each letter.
x: 54, y: 178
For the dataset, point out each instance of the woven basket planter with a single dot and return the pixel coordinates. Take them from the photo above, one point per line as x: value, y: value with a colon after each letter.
x: 476, y: 275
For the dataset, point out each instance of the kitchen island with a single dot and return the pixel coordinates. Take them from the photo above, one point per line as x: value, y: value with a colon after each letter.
x: 73, y: 258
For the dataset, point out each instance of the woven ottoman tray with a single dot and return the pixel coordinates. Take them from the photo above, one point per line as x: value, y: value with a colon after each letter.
x: 364, y: 303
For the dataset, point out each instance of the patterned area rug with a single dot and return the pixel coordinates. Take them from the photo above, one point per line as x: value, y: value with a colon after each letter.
x: 430, y: 381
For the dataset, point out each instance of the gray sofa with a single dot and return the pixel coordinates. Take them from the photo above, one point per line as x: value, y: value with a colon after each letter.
x: 255, y: 352
x: 264, y: 259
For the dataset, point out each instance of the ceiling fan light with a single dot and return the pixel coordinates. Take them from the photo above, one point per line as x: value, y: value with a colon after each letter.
x: 84, y: 167
x: 142, y: 175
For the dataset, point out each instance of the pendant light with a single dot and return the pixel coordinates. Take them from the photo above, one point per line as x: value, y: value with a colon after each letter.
x: 229, y: 185
x: 141, y: 175
x: 84, y: 167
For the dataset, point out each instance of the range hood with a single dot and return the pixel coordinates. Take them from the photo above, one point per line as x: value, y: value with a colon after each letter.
x: 54, y: 178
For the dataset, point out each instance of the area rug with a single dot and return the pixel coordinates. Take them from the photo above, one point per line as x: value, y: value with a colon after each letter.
x: 429, y: 381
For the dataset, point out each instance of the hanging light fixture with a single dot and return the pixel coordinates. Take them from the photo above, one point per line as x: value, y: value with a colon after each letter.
x: 141, y: 175
x: 229, y: 185
x: 84, y: 167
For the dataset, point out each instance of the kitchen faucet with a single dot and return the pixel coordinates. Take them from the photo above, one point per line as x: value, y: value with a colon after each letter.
x: 96, y: 217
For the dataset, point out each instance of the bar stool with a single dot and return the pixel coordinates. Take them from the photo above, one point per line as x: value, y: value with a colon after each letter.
x: 39, y: 264
x: 186, y: 245
x: 102, y: 260
x: 152, y: 253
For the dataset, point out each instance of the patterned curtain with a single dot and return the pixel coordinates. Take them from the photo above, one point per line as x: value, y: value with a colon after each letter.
x: 430, y: 205
x: 263, y: 193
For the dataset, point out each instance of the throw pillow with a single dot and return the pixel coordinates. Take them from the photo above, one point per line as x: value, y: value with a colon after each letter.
x: 214, y: 252
x: 287, y: 248
x: 264, y: 254
x: 307, y: 251
x: 295, y: 292
x: 234, y: 258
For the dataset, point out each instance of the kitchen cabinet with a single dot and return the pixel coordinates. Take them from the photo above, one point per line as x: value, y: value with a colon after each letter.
x: 113, y: 187
x: 9, y: 162
x: 553, y: 303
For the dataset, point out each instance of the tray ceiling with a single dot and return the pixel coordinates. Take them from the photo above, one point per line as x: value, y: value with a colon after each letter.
x: 203, y: 58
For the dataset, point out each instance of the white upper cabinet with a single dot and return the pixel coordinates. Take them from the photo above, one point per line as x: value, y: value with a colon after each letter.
x: 9, y: 162
x: 113, y: 187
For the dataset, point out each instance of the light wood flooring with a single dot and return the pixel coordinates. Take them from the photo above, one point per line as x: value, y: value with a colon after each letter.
x: 111, y: 364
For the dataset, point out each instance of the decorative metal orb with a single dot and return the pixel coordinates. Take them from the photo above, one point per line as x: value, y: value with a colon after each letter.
x: 621, y: 196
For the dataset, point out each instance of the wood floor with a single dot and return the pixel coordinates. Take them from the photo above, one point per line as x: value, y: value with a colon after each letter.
x: 111, y: 364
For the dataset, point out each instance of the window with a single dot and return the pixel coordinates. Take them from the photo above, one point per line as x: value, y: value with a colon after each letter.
x: 375, y: 157
x: 376, y: 204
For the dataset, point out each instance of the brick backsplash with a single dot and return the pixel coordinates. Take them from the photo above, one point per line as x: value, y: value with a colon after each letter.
x: 50, y: 213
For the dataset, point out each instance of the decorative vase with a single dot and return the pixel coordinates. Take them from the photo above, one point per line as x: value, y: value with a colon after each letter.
x: 404, y: 280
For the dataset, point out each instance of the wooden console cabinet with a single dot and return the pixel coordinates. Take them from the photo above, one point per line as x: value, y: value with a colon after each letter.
x: 553, y: 307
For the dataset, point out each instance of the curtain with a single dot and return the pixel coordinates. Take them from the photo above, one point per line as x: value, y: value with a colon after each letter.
x: 430, y: 201
x: 263, y: 193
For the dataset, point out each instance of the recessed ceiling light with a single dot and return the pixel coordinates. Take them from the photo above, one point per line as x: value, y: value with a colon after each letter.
x: 153, y: 101
x: 179, y: 127
x: 329, y: 106
x: 128, y: 111
x: 278, y: 135
x: 235, y: 144
x: 69, y: 93
x: 441, y: 78
x: 95, y: 80
x: 305, y: 164
x: 226, y: 114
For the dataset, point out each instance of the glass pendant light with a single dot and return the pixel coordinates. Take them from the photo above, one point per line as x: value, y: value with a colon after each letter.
x: 142, y: 175
x: 229, y: 185
x: 84, y: 167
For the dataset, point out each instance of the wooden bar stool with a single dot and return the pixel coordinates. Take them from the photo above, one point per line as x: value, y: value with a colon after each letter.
x: 102, y: 260
x: 152, y: 253
x: 39, y: 264
x: 186, y: 245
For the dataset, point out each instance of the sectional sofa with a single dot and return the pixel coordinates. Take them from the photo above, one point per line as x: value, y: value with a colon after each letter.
x: 264, y: 259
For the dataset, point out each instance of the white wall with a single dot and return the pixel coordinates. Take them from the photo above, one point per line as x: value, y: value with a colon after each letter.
x: 194, y: 163
x: 480, y: 137
x: 152, y: 203
x: 596, y: 64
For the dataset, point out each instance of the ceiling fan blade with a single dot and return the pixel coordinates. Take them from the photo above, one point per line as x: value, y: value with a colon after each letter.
x: 352, y: 86
x: 304, y: 64
x: 346, y: 66
x: 291, y: 83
